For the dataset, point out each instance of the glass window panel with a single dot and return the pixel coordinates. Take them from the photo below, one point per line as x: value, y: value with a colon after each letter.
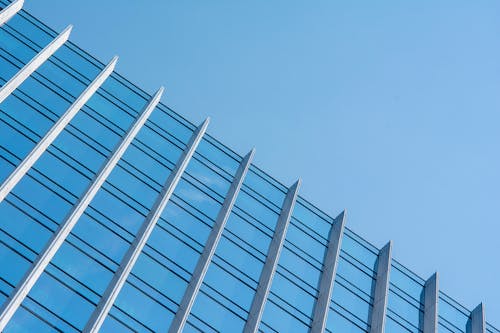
x: 307, y: 243
x: 144, y: 309
x: 208, y: 178
x: 19, y: 225
x: 358, y: 251
x: 239, y: 258
x: 451, y: 313
x: 25, y: 321
x: 159, y: 277
x: 19, y: 264
x: 280, y: 320
x: 230, y: 288
x: 81, y: 267
x: 256, y: 209
x: 62, y: 78
x: 174, y: 248
x: 215, y: 315
x: 7, y: 67
x: 101, y: 237
x: 118, y: 211
x: 217, y: 156
x: 13, y: 45
x: 351, y: 302
x: 41, y: 198
x: 111, y: 325
x: 26, y: 115
x: 61, y: 300
x: 37, y: 35
x: 293, y: 294
x: 299, y: 267
x: 15, y: 142
x: 264, y: 187
x: 180, y: 219
x: 338, y: 323
x: 395, y: 327
x: 406, y: 281
x: 400, y: 306
x: 248, y: 232
x: 303, y: 213
x: 356, y: 277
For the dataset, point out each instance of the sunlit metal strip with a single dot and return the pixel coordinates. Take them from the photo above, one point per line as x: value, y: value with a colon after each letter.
x: 210, y: 246
x: 34, y: 63
x: 11, y: 10
x: 477, y: 320
x: 273, y: 255
x: 328, y: 275
x: 54, y: 131
x: 431, y: 290
x: 67, y: 225
x: 135, y: 249
x: 381, y: 290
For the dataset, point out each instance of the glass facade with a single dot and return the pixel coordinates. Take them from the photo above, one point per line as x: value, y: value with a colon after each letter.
x: 69, y: 288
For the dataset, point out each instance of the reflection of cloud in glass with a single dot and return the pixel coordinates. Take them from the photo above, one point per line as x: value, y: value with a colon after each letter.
x: 192, y: 195
x: 218, y: 184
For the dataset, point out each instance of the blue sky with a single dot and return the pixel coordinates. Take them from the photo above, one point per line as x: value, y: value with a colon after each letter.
x: 389, y: 109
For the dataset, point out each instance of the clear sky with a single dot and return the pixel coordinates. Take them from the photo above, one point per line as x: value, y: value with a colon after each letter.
x: 390, y: 109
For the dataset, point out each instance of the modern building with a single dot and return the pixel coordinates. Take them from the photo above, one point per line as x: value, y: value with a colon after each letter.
x: 117, y: 215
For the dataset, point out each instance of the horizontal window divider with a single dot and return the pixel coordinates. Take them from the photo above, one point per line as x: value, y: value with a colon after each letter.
x: 54, y: 271
x: 349, y: 315
x: 196, y: 246
x: 158, y: 299
x: 202, y: 321
x: 356, y: 291
x: 213, y: 166
x: 153, y: 250
x: 260, y: 198
x: 405, y: 296
x: 120, y: 321
x: 48, y: 218
x: 16, y: 251
x: 51, y: 311
x: 302, y: 254
x: 239, y: 274
x: 244, y: 245
x: 276, y: 299
x: 196, y: 210
x: 356, y: 263
x: 401, y: 320
x: 128, y: 316
x: 408, y: 273
x: 39, y: 317
x: 296, y: 280
x: 309, y: 231
x: 247, y: 217
x: 218, y: 294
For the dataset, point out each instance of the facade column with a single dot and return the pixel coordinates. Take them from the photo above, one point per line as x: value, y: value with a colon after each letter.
x: 273, y: 255
x: 64, y: 229
x: 477, y: 320
x: 11, y: 10
x: 108, y: 298
x: 431, y: 290
x: 210, y: 247
x: 381, y: 290
x: 328, y: 275
x: 34, y: 63
x: 54, y: 131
